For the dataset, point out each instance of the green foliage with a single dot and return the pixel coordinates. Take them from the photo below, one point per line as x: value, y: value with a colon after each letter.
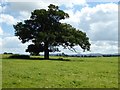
x: 35, y: 49
x: 99, y: 72
x: 44, y: 27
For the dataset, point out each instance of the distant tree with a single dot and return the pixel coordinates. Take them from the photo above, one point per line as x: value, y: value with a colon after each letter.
x: 46, y: 32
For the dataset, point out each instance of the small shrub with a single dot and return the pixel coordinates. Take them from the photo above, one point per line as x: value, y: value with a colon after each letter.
x: 17, y: 56
x: 5, y: 53
x: 10, y: 53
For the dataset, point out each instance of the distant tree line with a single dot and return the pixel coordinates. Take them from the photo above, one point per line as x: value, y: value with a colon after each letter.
x: 104, y: 55
x: 7, y: 53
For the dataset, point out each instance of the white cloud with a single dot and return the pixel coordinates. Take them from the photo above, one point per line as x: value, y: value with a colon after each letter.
x: 74, y: 19
x: 8, y: 19
x: 0, y: 9
x: 25, y: 6
x: 102, y: 23
x: 30, y: 4
x: 104, y: 31
x: 14, y: 45
x: 1, y: 31
x: 106, y: 47
x: 102, y: 1
x: 99, y: 22
x: 11, y: 20
x: 103, y: 47
x: 23, y: 9
x: 0, y: 45
x: 24, y: 15
x: 11, y: 42
x: 70, y: 3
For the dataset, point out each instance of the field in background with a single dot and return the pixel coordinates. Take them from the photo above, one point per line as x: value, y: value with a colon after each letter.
x: 72, y: 72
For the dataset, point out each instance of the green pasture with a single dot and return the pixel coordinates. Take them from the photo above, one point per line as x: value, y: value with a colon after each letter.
x: 71, y: 72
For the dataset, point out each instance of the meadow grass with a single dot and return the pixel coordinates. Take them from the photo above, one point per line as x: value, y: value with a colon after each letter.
x: 98, y: 72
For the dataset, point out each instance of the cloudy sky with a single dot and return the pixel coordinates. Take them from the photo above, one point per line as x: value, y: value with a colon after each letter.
x: 98, y: 19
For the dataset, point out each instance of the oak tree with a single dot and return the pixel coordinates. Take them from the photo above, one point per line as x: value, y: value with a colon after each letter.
x: 46, y: 32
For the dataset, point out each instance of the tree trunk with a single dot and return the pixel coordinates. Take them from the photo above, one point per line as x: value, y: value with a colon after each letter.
x: 46, y: 52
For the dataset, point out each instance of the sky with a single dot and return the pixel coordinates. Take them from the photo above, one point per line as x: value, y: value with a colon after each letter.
x: 98, y: 19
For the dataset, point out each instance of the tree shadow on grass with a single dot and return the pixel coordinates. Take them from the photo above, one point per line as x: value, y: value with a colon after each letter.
x: 37, y: 58
x: 51, y: 59
x: 27, y: 57
x: 56, y: 59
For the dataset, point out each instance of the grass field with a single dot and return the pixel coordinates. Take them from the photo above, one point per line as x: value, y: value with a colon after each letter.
x: 98, y: 72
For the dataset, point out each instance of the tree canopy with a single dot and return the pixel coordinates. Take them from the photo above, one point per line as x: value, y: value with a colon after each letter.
x: 46, y: 32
